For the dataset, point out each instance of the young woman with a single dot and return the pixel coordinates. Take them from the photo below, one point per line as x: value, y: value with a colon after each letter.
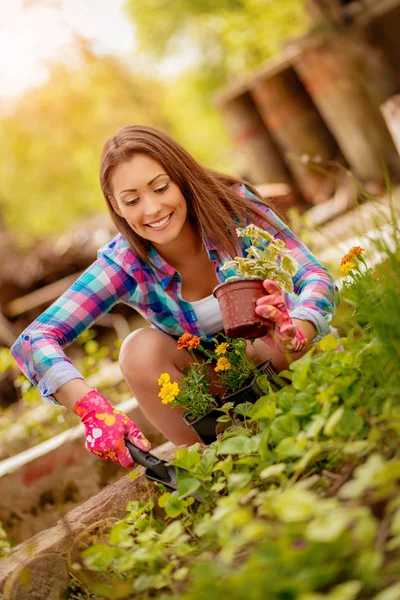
x: 177, y: 224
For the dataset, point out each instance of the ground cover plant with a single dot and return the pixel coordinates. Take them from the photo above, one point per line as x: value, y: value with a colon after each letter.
x: 300, y: 491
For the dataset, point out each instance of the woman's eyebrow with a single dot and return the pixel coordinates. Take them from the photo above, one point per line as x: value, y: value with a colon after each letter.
x: 150, y: 182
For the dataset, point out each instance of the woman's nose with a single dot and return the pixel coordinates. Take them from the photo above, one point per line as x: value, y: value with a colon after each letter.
x: 152, y: 205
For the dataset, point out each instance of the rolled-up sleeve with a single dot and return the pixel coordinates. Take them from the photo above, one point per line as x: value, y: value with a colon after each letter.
x: 38, y: 351
x: 315, y: 294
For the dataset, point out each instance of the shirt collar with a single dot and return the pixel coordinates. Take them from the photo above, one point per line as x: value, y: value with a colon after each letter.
x: 120, y: 252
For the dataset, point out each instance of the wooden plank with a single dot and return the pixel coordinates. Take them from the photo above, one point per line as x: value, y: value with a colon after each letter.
x: 44, y: 296
x: 391, y: 113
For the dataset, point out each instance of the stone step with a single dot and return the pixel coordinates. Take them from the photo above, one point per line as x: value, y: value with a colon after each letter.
x: 108, y: 505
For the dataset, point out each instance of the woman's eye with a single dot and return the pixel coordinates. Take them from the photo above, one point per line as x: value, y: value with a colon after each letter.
x: 132, y: 202
x: 161, y: 189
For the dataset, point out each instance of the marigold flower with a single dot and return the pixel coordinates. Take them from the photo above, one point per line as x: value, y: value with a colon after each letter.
x: 168, y: 392
x: 346, y: 268
x: 221, y: 348
x: 352, y: 253
x: 193, y: 343
x: 355, y: 251
x: 164, y: 378
x: 184, y: 340
x: 223, y: 364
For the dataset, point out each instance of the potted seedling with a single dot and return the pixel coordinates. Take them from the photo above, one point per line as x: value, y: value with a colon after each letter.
x: 193, y: 392
x: 237, y: 373
x: 266, y: 258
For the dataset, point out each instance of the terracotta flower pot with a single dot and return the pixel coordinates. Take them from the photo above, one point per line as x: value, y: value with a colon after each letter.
x: 237, y: 301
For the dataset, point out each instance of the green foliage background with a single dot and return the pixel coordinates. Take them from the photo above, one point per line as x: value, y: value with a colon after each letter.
x: 51, y: 138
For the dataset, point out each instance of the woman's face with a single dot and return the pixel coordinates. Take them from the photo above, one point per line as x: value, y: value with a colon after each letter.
x: 146, y: 197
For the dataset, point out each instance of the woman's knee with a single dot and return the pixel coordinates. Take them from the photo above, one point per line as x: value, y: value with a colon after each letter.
x: 143, y: 350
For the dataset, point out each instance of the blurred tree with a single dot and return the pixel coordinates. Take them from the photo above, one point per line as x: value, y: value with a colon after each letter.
x: 50, y: 142
x: 228, y: 37
x: 220, y: 40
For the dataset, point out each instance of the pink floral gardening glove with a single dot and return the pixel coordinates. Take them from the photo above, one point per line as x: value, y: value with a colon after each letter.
x: 273, y: 307
x: 106, y: 428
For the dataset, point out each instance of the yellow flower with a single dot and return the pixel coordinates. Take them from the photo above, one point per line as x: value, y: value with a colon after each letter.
x: 346, y: 268
x: 168, y: 392
x: 223, y: 364
x: 222, y: 348
x: 164, y: 378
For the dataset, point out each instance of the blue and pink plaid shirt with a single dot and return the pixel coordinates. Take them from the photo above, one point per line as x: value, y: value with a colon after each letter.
x: 119, y: 275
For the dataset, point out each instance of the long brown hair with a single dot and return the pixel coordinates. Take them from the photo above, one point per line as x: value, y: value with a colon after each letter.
x: 212, y: 200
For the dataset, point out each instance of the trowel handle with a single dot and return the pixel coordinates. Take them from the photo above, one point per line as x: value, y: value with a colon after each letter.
x: 141, y: 457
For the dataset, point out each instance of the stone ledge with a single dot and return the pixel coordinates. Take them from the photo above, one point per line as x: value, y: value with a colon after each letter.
x: 108, y: 504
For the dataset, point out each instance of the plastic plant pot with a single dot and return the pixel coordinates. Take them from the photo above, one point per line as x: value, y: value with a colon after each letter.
x: 237, y: 301
x: 251, y: 391
x: 204, y: 426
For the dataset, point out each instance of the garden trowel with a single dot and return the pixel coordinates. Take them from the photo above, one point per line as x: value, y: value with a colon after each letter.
x: 157, y: 469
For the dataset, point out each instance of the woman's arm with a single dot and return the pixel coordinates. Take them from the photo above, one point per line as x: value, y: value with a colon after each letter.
x: 316, y: 293
x: 39, y: 349
x: 69, y: 393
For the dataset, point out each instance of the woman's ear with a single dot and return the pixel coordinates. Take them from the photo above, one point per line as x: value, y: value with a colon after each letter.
x: 114, y: 204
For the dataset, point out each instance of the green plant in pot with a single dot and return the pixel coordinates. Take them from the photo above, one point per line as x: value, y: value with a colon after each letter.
x: 266, y: 258
x: 238, y: 377
x: 238, y: 374
x: 193, y: 392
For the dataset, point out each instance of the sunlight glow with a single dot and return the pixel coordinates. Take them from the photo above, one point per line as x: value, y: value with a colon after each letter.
x: 34, y: 32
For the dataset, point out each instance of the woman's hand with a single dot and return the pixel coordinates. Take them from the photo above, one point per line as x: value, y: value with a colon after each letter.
x: 106, y: 429
x: 273, y: 307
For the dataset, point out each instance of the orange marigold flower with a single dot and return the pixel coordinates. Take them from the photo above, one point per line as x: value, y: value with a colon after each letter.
x: 352, y: 253
x: 184, y: 340
x: 193, y: 343
x: 355, y: 251
x: 346, y: 268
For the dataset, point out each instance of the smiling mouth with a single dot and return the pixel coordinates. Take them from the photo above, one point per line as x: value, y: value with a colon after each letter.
x: 159, y: 223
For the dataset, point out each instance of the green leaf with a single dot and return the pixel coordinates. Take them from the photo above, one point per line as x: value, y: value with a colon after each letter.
x: 237, y: 481
x: 294, y: 505
x: 329, y: 526
x: 350, y: 424
x: 171, y: 532
x: 289, y: 448
x: 99, y: 557
x: 163, y: 499
x: 239, y: 444
x: 284, y: 426
x: 120, y: 535
x: 329, y: 342
x: 205, y: 467
x: 175, y: 506
x: 304, y: 404
x: 185, y: 459
x: 390, y: 593
x: 273, y: 471
x: 244, y: 409
x: 187, y: 486
x: 333, y: 421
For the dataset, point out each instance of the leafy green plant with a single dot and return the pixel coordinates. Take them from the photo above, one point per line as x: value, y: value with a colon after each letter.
x: 267, y: 258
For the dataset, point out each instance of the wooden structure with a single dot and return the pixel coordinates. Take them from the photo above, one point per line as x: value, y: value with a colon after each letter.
x: 320, y: 98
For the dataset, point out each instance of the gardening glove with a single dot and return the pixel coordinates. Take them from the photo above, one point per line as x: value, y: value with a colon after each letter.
x: 284, y: 331
x: 106, y: 428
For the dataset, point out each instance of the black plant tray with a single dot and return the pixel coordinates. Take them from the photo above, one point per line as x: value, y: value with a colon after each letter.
x: 205, y: 426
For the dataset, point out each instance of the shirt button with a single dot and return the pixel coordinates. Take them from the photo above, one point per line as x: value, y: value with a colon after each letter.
x: 26, y: 338
x: 45, y: 391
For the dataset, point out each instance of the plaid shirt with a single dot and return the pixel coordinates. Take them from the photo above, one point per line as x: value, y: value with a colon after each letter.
x: 118, y: 275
